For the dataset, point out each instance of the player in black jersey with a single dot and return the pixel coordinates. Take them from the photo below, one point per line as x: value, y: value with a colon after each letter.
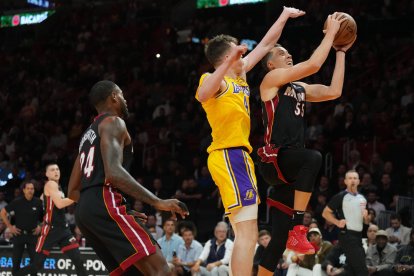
x: 55, y: 230
x: 99, y: 175
x: 284, y: 158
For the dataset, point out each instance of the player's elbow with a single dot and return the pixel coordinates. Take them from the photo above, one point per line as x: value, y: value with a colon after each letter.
x: 202, y: 96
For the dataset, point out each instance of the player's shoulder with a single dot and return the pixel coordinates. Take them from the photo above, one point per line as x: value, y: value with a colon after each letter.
x: 113, y: 122
x: 51, y: 184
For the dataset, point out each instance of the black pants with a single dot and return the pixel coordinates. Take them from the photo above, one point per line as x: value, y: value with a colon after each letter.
x: 280, y: 227
x: 19, y: 242
x: 351, y: 243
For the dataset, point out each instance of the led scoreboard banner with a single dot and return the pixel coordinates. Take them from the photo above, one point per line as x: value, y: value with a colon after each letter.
x: 27, y: 18
x: 56, y: 264
x: 224, y: 3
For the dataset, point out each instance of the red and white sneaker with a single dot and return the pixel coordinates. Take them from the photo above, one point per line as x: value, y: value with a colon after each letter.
x: 298, y: 242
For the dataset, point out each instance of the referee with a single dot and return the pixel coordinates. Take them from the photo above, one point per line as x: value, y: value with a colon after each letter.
x: 28, y: 212
x: 347, y: 210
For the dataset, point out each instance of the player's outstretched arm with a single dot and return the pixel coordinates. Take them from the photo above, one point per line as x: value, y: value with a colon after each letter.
x: 52, y: 189
x: 113, y: 133
x: 214, y: 83
x: 280, y: 76
x: 75, y: 181
x: 319, y: 92
x: 270, y: 38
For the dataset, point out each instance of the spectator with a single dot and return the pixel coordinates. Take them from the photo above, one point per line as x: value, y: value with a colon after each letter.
x: 372, y: 216
x: 312, y: 263
x: 187, y: 254
x: 373, y: 202
x: 381, y: 255
x: 214, y: 260
x: 371, y: 236
x: 264, y: 239
x: 170, y: 242
x: 398, y: 234
x: 404, y: 262
x: 152, y: 223
x: 335, y: 262
x: 387, y: 192
x: 330, y: 232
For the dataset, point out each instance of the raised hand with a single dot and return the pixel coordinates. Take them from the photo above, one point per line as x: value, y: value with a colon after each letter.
x: 333, y: 23
x: 236, y: 52
x: 292, y: 12
x: 345, y: 48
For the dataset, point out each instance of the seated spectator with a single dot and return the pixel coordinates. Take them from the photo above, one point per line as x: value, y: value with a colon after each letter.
x: 5, y: 237
x: 372, y: 216
x: 311, y: 264
x: 372, y: 202
x: 215, y: 258
x: 404, y: 262
x: 371, y: 237
x: 152, y: 223
x: 330, y: 232
x: 398, y: 234
x: 381, y: 255
x: 335, y: 262
x: 307, y: 218
x: 264, y: 239
x: 170, y: 242
x: 187, y: 254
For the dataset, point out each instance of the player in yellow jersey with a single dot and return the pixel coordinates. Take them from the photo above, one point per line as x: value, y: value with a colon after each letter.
x: 224, y: 95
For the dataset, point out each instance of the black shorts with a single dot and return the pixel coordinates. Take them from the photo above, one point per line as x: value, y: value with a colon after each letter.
x: 55, y: 235
x: 117, y: 238
x: 298, y: 166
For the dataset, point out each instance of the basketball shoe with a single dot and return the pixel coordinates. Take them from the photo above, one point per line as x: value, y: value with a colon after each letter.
x: 298, y: 242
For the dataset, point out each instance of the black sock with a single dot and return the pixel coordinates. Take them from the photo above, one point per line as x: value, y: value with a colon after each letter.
x: 297, y: 218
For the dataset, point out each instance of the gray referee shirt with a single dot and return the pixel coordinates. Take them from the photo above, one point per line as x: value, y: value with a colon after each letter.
x: 350, y: 207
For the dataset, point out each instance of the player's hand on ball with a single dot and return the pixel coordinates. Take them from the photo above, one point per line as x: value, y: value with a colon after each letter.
x: 292, y: 12
x: 333, y: 23
x: 345, y: 47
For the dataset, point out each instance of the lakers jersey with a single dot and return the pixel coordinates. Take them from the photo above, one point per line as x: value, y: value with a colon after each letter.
x: 228, y: 114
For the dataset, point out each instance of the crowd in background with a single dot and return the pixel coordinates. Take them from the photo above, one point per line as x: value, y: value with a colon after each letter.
x: 48, y: 69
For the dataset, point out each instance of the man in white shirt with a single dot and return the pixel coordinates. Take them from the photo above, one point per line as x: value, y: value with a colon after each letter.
x: 216, y: 254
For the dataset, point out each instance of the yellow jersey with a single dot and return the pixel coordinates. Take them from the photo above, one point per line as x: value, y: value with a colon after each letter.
x: 228, y: 114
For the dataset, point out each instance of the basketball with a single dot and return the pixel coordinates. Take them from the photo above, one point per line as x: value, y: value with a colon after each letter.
x: 347, y: 31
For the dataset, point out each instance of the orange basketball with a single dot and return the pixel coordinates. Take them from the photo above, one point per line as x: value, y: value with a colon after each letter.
x: 347, y: 31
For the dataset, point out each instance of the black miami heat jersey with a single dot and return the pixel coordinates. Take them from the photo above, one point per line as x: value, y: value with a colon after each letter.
x: 53, y: 216
x: 92, y: 168
x: 283, y: 117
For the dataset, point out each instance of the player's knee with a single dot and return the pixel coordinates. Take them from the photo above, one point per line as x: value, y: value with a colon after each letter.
x: 314, y: 160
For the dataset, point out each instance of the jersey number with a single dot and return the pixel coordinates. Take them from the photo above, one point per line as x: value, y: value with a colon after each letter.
x: 89, y: 162
x: 246, y: 105
x: 300, y: 109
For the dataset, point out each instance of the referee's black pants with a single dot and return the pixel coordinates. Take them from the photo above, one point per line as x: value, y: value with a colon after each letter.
x: 351, y: 243
x: 19, y: 242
